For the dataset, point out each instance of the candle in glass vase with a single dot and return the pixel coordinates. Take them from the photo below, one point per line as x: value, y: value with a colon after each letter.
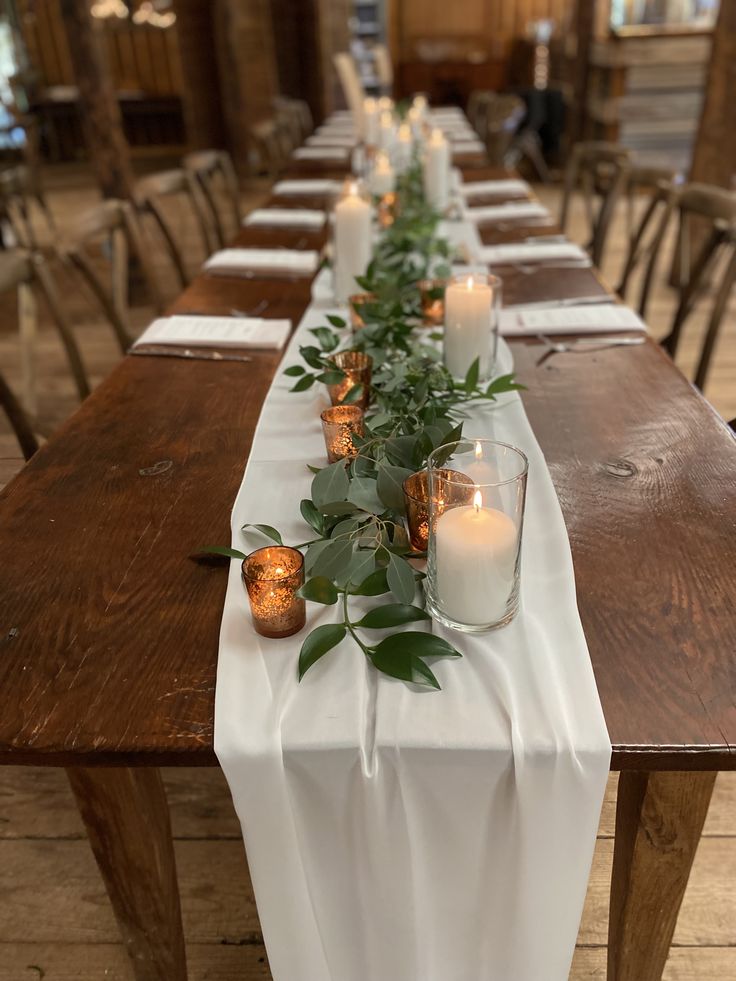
x: 370, y: 121
x: 386, y: 103
x: 403, y: 148
x: 437, y: 170
x: 382, y: 178
x: 387, y: 131
x: 476, y: 552
x: 469, y: 325
x: 352, y: 241
x: 414, y: 118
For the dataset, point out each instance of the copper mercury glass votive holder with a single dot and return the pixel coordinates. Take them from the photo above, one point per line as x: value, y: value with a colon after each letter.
x: 357, y: 367
x: 339, y: 424
x: 272, y: 576
x: 458, y: 490
x: 432, y: 299
x: 388, y: 209
x: 355, y: 302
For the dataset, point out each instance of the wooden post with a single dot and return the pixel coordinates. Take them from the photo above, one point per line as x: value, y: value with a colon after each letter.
x: 659, y: 817
x: 583, y: 25
x: 98, y: 105
x: 714, y: 156
x: 333, y: 36
x: 127, y: 820
x: 195, y: 35
x: 247, y: 62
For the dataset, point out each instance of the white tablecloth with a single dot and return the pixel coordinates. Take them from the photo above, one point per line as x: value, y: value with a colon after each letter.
x: 395, y: 835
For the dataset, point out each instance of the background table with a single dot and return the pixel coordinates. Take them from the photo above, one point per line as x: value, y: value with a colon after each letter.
x: 109, y: 632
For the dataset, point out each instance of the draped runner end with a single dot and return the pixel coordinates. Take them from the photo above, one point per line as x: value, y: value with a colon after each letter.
x: 402, y: 835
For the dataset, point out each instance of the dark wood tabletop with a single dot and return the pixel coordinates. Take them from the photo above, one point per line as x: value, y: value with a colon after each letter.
x: 109, y: 628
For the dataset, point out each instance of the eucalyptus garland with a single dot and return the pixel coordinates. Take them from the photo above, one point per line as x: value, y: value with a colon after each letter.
x: 357, y: 544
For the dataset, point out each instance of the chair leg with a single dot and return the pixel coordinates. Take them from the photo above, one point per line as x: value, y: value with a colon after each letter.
x: 21, y: 427
x: 65, y: 332
x: 28, y: 331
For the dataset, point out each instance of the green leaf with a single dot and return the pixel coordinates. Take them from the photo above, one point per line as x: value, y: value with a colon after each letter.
x: 391, y: 615
x: 332, y: 377
x: 471, y: 378
x: 327, y: 340
x: 363, y: 493
x: 313, y: 356
x: 333, y: 561
x: 353, y: 394
x: 266, y: 530
x: 420, y: 644
x: 319, y: 589
x: 231, y: 553
x: 318, y: 643
x: 337, y: 507
x: 303, y: 384
x: 402, y: 664
x: 336, y: 321
x: 389, y: 487
x: 362, y: 563
x: 312, y: 516
x: 400, y: 578
x: 331, y: 484
x: 504, y: 383
x: 313, y: 553
x: 294, y: 370
x: 373, y: 585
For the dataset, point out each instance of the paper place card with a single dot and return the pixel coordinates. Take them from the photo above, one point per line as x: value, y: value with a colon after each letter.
x: 509, y: 211
x: 468, y: 146
x: 509, y: 187
x: 532, y: 252
x: 243, y: 262
x: 240, y: 332
x: 332, y: 140
x: 307, y: 187
x: 286, y: 218
x: 583, y: 319
x: 320, y: 153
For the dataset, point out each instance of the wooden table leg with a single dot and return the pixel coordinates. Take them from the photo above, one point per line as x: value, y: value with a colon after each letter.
x: 659, y: 818
x: 127, y: 820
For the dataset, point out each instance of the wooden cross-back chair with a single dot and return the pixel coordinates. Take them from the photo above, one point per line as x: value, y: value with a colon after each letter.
x: 148, y: 194
x: 27, y: 274
x: 711, y: 267
x: 656, y: 184
x: 115, y: 223
x: 271, y: 146
x: 601, y: 170
x: 19, y: 190
x: 289, y: 117
x: 210, y: 168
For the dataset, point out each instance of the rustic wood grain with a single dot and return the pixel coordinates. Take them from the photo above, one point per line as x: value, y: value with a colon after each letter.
x: 127, y: 821
x: 659, y: 818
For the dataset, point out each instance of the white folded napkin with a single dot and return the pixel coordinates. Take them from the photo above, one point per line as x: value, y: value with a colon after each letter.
x: 509, y: 186
x: 239, y: 262
x: 460, y: 134
x: 468, y: 146
x: 583, y: 319
x: 286, y: 217
x: 320, y: 153
x: 334, y: 140
x: 510, y: 210
x: 532, y: 252
x: 242, y: 332
x: 307, y: 186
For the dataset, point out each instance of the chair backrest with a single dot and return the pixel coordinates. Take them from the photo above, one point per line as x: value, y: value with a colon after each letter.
x: 384, y: 68
x: 115, y: 223
x: 148, y: 194
x: 712, y: 265
x: 351, y: 84
x: 19, y: 186
x: 271, y: 145
x: 210, y: 168
x: 601, y: 169
x: 498, y: 117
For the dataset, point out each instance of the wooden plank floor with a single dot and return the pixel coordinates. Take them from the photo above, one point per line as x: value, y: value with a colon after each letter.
x: 55, y: 920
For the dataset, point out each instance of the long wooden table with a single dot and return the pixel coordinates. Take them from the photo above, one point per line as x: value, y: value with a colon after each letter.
x: 109, y: 632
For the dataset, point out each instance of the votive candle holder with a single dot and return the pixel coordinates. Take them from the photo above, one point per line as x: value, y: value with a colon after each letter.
x: 456, y: 489
x: 387, y: 209
x: 432, y: 299
x: 357, y: 367
x: 272, y: 576
x: 339, y: 424
x: 356, y: 302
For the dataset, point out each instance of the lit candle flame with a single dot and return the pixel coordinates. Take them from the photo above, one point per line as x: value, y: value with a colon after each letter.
x: 469, y: 282
x: 478, y: 450
x: 477, y: 500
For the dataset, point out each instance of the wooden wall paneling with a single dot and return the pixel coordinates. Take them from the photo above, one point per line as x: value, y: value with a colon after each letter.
x: 333, y: 36
x: 193, y: 46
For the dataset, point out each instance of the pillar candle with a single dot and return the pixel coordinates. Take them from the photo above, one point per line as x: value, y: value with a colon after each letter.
x: 387, y: 132
x: 403, y: 149
x: 475, y: 554
x: 370, y: 121
x: 382, y: 179
x: 386, y: 104
x: 437, y: 170
x: 352, y: 242
x: 468, y: 326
